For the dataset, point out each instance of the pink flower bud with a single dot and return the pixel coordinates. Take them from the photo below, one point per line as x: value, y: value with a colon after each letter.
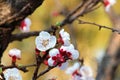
x: 15, y: 54
x: 25, y: 25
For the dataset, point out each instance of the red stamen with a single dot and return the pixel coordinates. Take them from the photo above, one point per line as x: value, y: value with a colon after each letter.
x: 106, y: 3
x: 14, y: 59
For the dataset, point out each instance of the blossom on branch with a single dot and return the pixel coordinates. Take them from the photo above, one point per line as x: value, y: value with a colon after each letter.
x: 55, y: 57
x: 25, y: 25
x: 108, y: 4
x: 69, y: 51
x: 73, y: 69
x: 60, y: 56
x: 15, y: 54
x: 45, y: 41
x: 12, y: 74
x: 86, y: 73
x: 64, y: 37
x: 80, y: 73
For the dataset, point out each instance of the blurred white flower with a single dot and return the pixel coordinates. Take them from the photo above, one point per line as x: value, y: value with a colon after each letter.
x: 86, y: 73
x: 12, y: 74
x: 15, y: 53
x: 64, y: 37
x: 108, y: 4
x: 45, y: 41
x: 25, y: 25
x: 73, y: 68
x: 80, y: 73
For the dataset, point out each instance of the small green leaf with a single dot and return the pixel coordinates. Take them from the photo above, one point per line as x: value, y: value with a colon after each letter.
x: 19, y: 65
x: 58, y: 23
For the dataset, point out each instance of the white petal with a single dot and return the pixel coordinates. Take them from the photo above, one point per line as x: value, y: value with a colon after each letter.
x: 61, y: 31
x: 52, y: 41
x: 12, y: 73
x: 107, y: 8
x: 64, y: 66
x: 90, y: 78
x: 44, y: 35
x: 26, y: 29
x: 64, y: 34
x: 73, y: 68
x: 38, y: 40
x: 112, y: 2
x: 66, y: 42
x: 28, y: 22
x: 70, y: 48
x: 76, y: 65
x: 69, y: 70
x: 75, y: 54
x: 50, y: 62
x: 53, y: 52
x: 41, y: 47
x: 86, y: 71
x: 76, y: 77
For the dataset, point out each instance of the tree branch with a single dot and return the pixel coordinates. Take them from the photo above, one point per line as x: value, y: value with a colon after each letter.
x: 69, y: 19
x: 28, y: 7
x: 100, y: 26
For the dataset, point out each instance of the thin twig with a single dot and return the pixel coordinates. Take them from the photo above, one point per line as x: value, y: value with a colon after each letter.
x: 45, y: 71
x: 100, y: 26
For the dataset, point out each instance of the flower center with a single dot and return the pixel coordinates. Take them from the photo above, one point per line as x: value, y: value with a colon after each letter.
x: 45, y: 42
x: 12, y: 78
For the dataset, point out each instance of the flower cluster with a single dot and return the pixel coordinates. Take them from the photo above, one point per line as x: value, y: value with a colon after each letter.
x: 46, y: 42
x: 80, y: 73
x: 108, y: 4
x: 60, y: 56
x: 25, y: 25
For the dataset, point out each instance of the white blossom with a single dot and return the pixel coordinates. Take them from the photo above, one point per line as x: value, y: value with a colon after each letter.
x: 86, y: 73
x: 73, y: 68
x: 108, y: 4
x: 45, y: 41
x: 65, y: 37
x: 12, y: 74
x: 15, y: 53
x: 25, y: 25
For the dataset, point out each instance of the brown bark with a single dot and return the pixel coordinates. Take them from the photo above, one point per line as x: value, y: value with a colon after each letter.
x: 11, y: 13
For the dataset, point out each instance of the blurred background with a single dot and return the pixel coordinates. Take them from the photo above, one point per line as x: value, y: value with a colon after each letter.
x: 91, y: 42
